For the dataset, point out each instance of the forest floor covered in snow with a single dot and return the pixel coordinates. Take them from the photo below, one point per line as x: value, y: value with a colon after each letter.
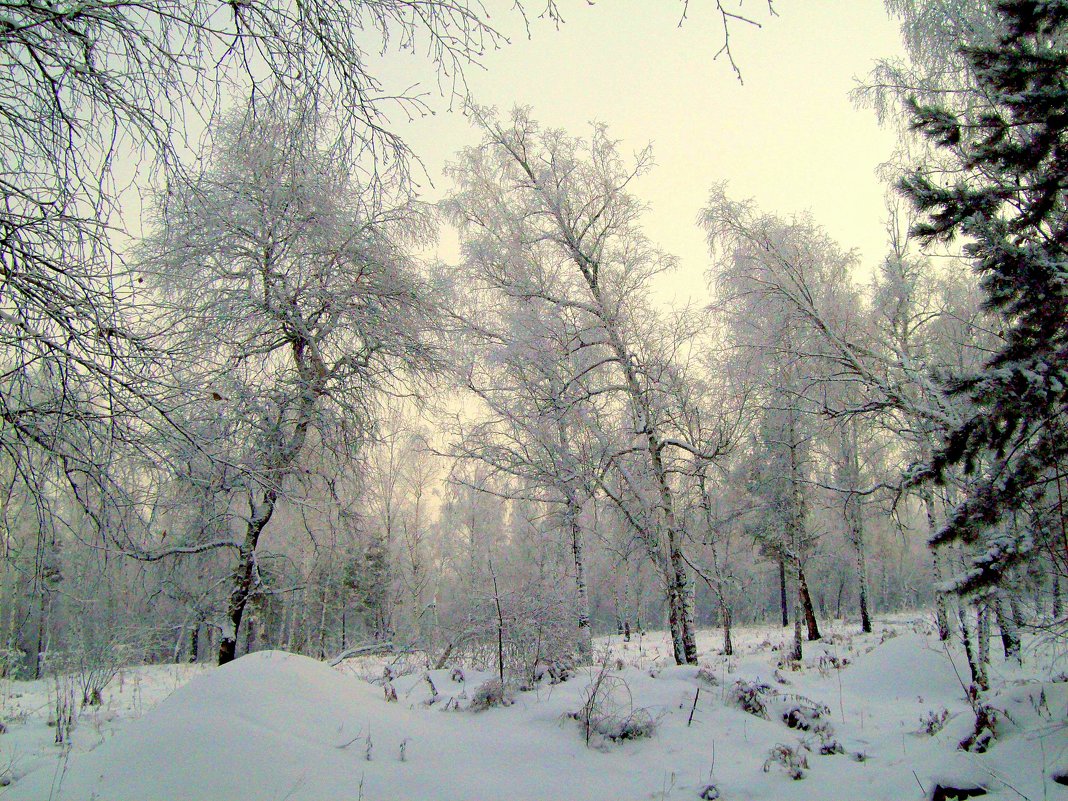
x: 888, y: 708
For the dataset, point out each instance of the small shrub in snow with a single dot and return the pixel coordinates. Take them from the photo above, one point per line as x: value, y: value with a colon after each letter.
x: 709, y: 793
x: 638, y: 725
x: 435, y: 696
x: 828, y: 662
x: 608, y: 712
x: 792, y: 761
x: 799, y: 713
x: 707, y: 674
x: 490, y: 694
x: 828, y: 744
x: 933, y: 722
x: 809, y: 716
x: 749, y: 696
x: 458, y: 676
x: 985, y: 731
x: 64, y: 711
x: 556, y: 671
x: 805, y: 715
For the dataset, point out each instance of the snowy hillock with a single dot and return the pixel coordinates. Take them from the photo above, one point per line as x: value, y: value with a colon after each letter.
x: 861, y: 717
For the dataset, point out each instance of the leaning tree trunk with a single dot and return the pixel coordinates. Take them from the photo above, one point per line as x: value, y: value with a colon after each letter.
x: 680, y: 597
x: 975, y: 667
x: 806, y: 604
x: 1010, y: 632
x: 244, y: 576
x: 677, y: 577
x: 982, y: 635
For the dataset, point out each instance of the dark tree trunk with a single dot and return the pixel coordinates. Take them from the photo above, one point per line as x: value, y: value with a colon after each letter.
x: 784, y: 607
x: 675, y: 613
x: 976, y: 666
x: 982, y: 635
x: 806, y: 605
x: 725, y: 613
x: 244, y: 576
x: 43, y: 605
x: 940, y: 598
x: 1010, y: 633
x: 322, y: 620
x: 194, y: 642
x: 865, y: 619
x: 680, y: 605
x: 796, y: 650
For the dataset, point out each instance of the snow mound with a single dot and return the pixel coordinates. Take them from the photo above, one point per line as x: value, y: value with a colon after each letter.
x: 905, y: 667
x: 279, y: 727
x: 254, y: 728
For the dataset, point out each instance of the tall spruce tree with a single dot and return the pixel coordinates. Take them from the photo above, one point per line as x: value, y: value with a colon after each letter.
x: 1004, y: 198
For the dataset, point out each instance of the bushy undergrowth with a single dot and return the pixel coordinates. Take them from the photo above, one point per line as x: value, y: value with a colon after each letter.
x: 490, y: 694
x: 933, y: 722
x: 608, y: 713
x: 750, y: 696
x: 791, y: 760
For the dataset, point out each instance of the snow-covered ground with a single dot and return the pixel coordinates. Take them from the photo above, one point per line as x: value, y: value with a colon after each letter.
x: 276, y: 726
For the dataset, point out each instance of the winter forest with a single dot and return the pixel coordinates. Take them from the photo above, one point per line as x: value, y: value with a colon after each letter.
x: 325, y: 472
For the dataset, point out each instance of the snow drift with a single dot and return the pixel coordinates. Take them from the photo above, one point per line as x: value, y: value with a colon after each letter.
x: 255, y: 728
x: 278, y: 727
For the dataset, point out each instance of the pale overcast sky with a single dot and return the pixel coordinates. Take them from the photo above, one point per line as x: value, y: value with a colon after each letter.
x: 788, y: 137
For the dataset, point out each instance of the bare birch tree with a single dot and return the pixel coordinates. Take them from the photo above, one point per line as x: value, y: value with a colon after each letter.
x: 526, y: 190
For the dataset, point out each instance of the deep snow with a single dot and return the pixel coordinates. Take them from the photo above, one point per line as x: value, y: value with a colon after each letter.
x: 279, y: 726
